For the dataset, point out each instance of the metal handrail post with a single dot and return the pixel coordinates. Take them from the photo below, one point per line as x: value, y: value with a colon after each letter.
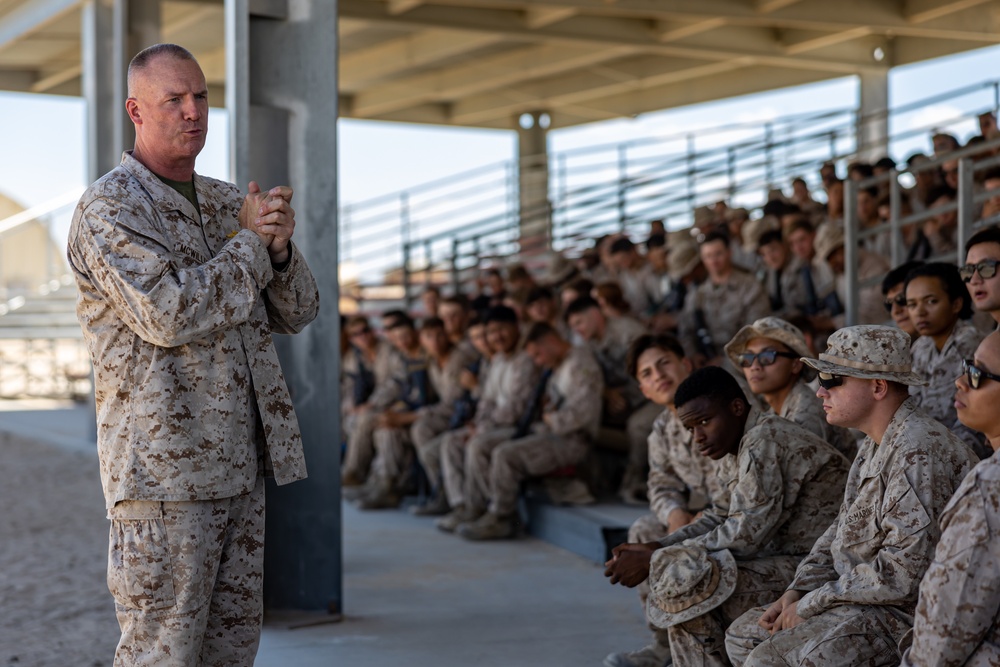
x: 851, y: 251
x: 622, y: 185
x: 407, y: 298
x: 731, y: 169
x: 966, y: 205
x: 769, y: 154
x: 690, y: 170
x: 428, y: 249
x: 895, y: 204
x: 456, y: 279
x: 404, y: 237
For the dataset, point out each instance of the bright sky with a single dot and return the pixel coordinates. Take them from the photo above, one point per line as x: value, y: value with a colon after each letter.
x: 42, y: 136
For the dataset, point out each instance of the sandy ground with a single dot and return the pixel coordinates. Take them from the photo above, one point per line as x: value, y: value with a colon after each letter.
x: 55, y: 608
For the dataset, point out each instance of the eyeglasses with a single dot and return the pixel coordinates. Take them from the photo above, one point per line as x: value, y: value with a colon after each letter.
x: 765, y: 357
x: 987, y: 269
x: 975, y: 374
x: 359, y: 332
x: 898, y: 301
x: 828, y: 380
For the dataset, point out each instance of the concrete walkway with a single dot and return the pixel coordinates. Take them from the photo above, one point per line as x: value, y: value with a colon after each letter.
x: 413, y: 596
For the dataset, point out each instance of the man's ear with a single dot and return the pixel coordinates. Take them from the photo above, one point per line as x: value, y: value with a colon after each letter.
x: 738, y: 407
x: 132, y: 108
x: 688, y: 366
x: 880, y: 389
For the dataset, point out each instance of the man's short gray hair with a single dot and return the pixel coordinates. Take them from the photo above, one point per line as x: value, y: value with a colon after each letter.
x: 142, y: 60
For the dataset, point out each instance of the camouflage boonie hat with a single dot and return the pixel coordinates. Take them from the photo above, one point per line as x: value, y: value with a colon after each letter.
x: 774, y: 328
x: 691, y: 582
x: 682, y: 259
x: 754, y: 229
x: 829, y: 238
x: 870, y: 352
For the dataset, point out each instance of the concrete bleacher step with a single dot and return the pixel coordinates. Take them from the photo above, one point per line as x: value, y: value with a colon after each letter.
x: 42, y: 317
x: 590, y: 531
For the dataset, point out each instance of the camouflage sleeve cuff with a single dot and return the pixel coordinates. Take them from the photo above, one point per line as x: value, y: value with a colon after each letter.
x: 249, y: 247
x: 810, y: 604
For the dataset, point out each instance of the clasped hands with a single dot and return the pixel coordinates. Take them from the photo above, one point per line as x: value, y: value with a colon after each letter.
x: 270, y: 216
x: 783, y: 614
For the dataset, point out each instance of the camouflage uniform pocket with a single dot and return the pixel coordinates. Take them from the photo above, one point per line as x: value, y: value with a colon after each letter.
x: 140, y: 575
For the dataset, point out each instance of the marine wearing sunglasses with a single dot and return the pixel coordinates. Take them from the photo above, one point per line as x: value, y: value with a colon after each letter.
x: 975, y: 375
x: 764, y: 357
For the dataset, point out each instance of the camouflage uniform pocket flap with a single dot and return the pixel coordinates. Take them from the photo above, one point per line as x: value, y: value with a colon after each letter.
x: 140, y: 576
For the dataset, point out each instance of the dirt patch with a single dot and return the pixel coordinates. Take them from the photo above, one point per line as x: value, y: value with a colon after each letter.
x: 55, y: 608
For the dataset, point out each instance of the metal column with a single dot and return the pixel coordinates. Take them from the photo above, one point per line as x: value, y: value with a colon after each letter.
x: 283, y: 113
x: 102, y: 33
x: 873, y: 116
x: 112, y: 32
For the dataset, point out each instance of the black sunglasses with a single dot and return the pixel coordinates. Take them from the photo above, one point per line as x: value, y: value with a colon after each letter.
x: 975, y: 374
x: 898, y: 301
x: 987, y: 269
x: 828, y: 380
x: 765, y: 357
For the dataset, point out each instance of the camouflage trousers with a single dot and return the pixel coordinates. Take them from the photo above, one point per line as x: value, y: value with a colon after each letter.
x: 393, y: 457
x: 360, y: 445
x: 465, y: 465
x: 701, y: 641
x: 845, y: 635
x: 428, y: 434
x: 187, y: 580
x: 531, y: 456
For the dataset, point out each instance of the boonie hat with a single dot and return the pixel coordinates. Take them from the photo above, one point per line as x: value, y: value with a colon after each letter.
x: 774, y: 328
x: 829, y: 238
x: 682, y: 259
x: 686, y: 582
x: 559, y: 270
x: 870, y: 352
x: 754, y: 229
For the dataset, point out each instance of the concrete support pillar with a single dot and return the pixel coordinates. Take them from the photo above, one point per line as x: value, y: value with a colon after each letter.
x: 873, y: 117
x: 112, y: 32
x: 535, y: 209
x: 281, y: 94
x: 103, y: 90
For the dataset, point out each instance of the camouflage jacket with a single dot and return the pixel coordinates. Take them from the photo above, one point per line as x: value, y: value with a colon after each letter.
x: 882, y: 541
x: 573, y: 397
x: 611, y: 350
x: 726, y: 308
x: 782, y: 489
x: 354, y: 364
x: 509, y: 385
x: 941, y: 368
x: 958, y: 613
x: 803, y: 407
x: 178, y: 310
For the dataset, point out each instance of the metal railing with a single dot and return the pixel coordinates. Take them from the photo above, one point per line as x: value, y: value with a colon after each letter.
x: 965, y: 205
x: 439, y: 231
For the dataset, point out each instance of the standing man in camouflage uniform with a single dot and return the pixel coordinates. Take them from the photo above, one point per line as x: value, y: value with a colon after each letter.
x: 958, y: 614
x: 769, y: 352
x: 570, y: 415
x: 727, y: 300
x: 182, y: 282
x: 782, y: 488
x: 853, y: 597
